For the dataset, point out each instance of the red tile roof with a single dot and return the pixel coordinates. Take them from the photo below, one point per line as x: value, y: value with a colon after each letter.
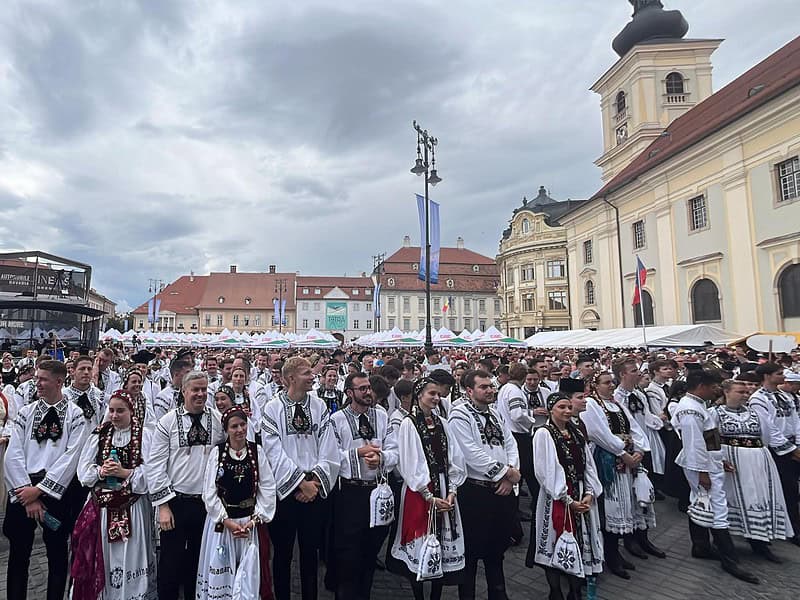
x: 235, y: 288
x: 454, y: 263
x: 460, y: 256
x: 777, y: 74
x: 181, y: 296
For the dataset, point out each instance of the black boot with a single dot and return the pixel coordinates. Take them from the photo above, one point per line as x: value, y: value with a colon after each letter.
x: 612, y: 556
x: 701, y: 546
x: 645, y: 544
x: 727, y: 552
x: 763, y: 550
x: 629, y: 541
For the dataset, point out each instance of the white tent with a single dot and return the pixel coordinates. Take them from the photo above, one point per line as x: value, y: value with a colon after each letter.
x: 664, y: 336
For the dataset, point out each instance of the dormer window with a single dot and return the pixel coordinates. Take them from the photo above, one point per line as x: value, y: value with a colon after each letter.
x: 476, y: 269
x: 415, y: 267
x: 526, y: 226
x: 221, y: 299
x: 248, y: 300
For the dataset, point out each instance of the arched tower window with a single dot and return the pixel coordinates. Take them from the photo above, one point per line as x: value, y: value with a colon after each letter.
x: 675, y: 83
x: 621, y: 103
x: 647, y: 302
x: 705, y: 302
x: 590, y: 292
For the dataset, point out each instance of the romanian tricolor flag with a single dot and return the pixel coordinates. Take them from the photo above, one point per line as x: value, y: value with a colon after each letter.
x: 641, y: 278
x: 446, y: 305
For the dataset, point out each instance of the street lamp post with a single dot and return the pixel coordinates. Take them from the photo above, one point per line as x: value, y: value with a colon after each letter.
x: 423, y: 167
x: 280, y: 289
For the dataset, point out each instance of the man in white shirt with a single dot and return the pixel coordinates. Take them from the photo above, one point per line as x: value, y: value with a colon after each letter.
x: 182, y: 440
x: 85, y: 394
x: 40, y: 465
x: 487, y: 499
x: 368, y: 448
x: 170, y: 397
x: 297, y: 434
x: 107, y: 379
x: 701, y: 460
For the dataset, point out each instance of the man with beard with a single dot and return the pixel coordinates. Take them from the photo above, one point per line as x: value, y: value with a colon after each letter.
x: 368, y: 448
x: 487, y: 500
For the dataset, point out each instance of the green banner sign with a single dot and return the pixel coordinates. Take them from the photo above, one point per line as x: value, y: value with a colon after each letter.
x: 335, y: 316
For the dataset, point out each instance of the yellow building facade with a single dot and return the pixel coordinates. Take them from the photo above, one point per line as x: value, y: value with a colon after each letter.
x: 711, y: 205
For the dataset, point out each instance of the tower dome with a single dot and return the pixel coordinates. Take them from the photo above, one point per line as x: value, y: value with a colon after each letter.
x: 650, y: 22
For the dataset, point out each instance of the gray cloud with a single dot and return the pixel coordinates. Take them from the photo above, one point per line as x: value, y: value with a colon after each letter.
x: 154, y: 138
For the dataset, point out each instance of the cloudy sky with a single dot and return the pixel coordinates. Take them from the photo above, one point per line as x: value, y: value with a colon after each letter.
x: 149, y: 138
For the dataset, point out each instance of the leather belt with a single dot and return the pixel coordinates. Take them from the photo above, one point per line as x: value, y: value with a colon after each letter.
x: 358, y: 482
x: 742, y: 442
x: 189, y: 496
x: 482, y: 483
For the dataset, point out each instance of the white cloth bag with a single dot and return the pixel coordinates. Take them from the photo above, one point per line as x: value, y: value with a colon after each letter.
x: 247, y: 582
x: 430, y: 556
x: 643, y: 489
x: 700, y: 511
x: 567, y: 554
x: 381, y: 504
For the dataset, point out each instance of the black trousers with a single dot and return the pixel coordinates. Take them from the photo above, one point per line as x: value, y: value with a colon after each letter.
x: 355, y: 543
x: 789, y: 471
x: 525, y: 448
x: 20, y: 531
x: 180, y: 549
x: 303, y: 521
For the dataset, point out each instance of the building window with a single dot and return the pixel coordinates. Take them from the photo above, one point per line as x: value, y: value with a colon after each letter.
x: 235, y: 320
x: 305, y: 305
x: 450, y: 283
x: 390, y: 322
x: 316, y: 323
x: 415, y: 267
x: 589, y: 297
x: 437, y: 304
x: 468, y: 324
x: 638, y: 235
x: 247, y: 320
x: 355, y: 323
x: 621, y: 105
x: 406, y: 305
x: 467, y: 306
x: 526, y: 273
x: 510, y: 277
x: 221, y: 299
x: 482, y: 306
x: 406, y: 324
x: 556, y: 269
x: 588, y: 252
x: 206, y: 321
x: 369, y: 324
x: 257, y: 321
x: 528, y: 304
x: 476, y: 269
x: 355, y: 292
x: 317, y: 306
x: 390, y: 304
x: 368, y: 306
x: 675, y: 83
x: 219, y: 320
x: 421, y: 324
x: 420, y: 304
x: 510, y: 303
x: 482, y: 324
x: 141, y: 322
x: 698, y: 213
x: 305, y: 290
x: 705, y: 302
x: 497, y: 307
x: 647, y: 307
x: 789, y: 179
x: 526, y: 226
x: 789, y: 292
x: 305, y: 323
x: 317, y: 291
x: 557, y: 300
x: 437, y: 322
x: 356, y: 307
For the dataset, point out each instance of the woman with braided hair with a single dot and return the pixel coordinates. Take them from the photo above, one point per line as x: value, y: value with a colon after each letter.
x: 113, y: 544
x: 239, y: 494
x: 432, y: 469
x: 568, y: 490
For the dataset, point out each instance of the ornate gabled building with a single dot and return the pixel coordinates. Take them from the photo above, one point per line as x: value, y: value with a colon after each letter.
x: 532, y: 260
x: 703, y: 187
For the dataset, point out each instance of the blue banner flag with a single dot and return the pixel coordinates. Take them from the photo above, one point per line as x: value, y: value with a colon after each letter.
x: 376, y: 301
x: 421, y: 212
x: 150, y: 313
x: 435, y: 241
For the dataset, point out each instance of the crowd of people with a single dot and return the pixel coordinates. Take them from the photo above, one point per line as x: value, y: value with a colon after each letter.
x: 198, y: 471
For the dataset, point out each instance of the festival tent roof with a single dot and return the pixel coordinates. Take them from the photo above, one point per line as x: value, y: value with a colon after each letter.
x: 742, y: 340
x: 494, y: 337
x: 666, y: 336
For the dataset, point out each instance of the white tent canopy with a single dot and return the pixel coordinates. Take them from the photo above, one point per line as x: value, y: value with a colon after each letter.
x: 664, y: 336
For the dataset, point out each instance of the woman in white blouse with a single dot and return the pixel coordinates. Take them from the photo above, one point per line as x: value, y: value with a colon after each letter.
x: 239, y: 493
x: 115, y: 528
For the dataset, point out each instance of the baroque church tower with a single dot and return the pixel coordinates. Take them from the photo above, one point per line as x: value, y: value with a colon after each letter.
x: 659, y: 76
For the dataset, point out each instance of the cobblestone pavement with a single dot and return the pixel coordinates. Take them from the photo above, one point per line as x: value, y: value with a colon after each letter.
x: 677, y: 577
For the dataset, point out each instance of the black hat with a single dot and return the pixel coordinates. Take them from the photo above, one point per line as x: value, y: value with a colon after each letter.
x: 693, y: 366
x: 183, y: 353
x: 748, y: 366
x: 142, y: 357
x: 571, y: 386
